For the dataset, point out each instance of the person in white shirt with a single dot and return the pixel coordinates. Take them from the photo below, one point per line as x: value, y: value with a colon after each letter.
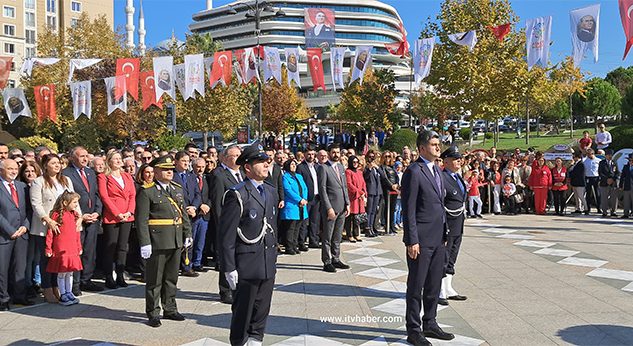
x: 603, y: 137
x: 592, y: 163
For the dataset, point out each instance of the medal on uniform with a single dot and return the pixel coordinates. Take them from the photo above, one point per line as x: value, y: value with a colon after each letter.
x: 252, y: 213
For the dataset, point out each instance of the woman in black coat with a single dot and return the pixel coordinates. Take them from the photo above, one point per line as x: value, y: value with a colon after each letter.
x: 390, y: 187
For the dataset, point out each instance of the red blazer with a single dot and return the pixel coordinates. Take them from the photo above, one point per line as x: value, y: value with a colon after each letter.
x: 357, y: 189
x: 116, y: 200
x: 559, y: 178
x: 540, y: 177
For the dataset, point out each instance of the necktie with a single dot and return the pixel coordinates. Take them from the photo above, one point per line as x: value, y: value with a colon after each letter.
x: 14, y: 195
x: 200, y: 182
x: 238, y: 176
x: 459, y: 183
x: 260, y: 188
x: 338, y: 174
x: 84, y: 179
x: 182, y: 177
x: 438, y: 181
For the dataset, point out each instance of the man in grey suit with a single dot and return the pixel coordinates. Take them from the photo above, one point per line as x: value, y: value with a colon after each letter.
x: 14, y: 226
x: 334, y: 208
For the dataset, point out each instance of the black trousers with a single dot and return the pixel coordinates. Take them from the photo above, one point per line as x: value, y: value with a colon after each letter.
x: 48, y: 279
x: 13, y: 269
x: 390, y: 207
x: 559, y: 201
x: 352, y: 227
x: 423, y: 285
x: 134, y: 263
x: 251, y: 306
x: 372, y: 210
x: 311, y: 227
x: 161, y: 278
x: 115, y: 238
x: 452, y: 250
x: 89, y: 255
x: 291, y: 230
x: 593, y: 192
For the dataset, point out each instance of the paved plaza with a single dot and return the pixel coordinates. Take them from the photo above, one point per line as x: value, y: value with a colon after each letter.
x: 530, y: 280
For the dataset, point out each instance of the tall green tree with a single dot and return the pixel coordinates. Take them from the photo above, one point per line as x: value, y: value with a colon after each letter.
x: 621, y: 78
x: 282, y: 106
x: 603, y: 99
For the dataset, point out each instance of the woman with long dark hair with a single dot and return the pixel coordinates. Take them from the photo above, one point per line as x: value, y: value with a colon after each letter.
x: 357, y: 191
x: 559, y: 186
x: 295, y: 205
x: 390, y: 188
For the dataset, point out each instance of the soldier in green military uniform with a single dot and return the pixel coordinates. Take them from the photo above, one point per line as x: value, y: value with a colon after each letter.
x: 162, y: 232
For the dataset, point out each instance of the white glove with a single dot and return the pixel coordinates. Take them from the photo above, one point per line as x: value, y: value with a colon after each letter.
x: 232, y: 279
x: 146, y: 251
x: 188, y: 242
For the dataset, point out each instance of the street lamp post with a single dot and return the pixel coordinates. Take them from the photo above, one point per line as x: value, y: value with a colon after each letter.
x: 255, y: 11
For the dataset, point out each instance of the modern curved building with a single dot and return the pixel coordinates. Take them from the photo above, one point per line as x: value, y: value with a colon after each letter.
x: 357, y: 22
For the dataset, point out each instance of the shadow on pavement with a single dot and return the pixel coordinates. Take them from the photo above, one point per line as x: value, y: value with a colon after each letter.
x: 597, y: 334
x: 335, y: 290
x: 97, y: 312
x: 74, y: 342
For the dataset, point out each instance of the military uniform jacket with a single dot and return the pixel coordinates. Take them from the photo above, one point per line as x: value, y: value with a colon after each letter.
x: 454, y: 200
x: 247, y: 211
x: 153, y: 203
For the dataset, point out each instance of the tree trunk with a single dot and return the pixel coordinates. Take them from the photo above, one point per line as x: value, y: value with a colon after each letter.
x: 205, y: 140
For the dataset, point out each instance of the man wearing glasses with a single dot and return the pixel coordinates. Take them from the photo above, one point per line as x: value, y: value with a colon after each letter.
x: 138, y: 156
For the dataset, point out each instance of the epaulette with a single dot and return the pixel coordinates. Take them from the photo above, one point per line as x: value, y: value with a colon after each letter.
x: 176, y: 184
x: 149, y: 185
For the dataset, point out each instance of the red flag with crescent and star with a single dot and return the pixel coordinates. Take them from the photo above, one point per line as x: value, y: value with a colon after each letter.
x: 500, y: 31
x: 222, y: 68
x: 148, y: 91
x: 45, y: 102
x: 5, y: 68
x: 129, y: 68
x: 400, y: 48
x: 315, y: 63
x: 626, y: 8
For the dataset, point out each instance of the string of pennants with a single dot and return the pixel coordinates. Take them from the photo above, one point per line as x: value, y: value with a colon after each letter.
x: 188, y: 77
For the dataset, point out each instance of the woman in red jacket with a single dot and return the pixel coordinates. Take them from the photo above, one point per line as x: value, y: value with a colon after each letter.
x: 118, y: 194
x: 357, y: 196
x: 540, y: 182
x: 559, y: 186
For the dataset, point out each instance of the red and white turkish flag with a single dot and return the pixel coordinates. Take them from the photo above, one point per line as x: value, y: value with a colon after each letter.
x: 45, y: 102
x: 221, y: 70
x: 626, y: 7
x: 315, y: 63
x: 5, y: 68
x: 148, y: 90
x: 500, y: 31
x: 129, y: 68
x: 400, y: 48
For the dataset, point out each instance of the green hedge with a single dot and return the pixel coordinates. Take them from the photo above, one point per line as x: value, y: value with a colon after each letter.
x: 400, y: 139
x: 464, y: 133
x: 622, y: 137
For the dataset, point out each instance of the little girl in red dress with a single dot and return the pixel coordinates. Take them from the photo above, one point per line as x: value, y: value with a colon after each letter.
x: 64, y: 247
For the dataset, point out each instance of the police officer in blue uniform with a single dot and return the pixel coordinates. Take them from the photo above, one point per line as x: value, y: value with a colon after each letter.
x: 454, y: 205
x: 248, y: 227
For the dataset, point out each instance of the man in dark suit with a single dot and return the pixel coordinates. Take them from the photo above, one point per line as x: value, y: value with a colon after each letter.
x: 84, y: 181
x: 310, y: 226
x: 334, y: 208
x: 374, y: 191
x: 225, y: 176
x: 191, y: 195
x: 455, y: 194
x: 201, y: 221
x: 275, y: 178
x: 577, y: 182
x: 249, y: 247
x: 626, y: 186
x: 14, y: 226
x: 608, y: 173
x: 424, y: 222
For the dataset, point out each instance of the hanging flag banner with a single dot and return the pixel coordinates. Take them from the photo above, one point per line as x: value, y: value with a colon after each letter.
x: 5, y: 68
x: 129, y: 68
x: 467, y: 39
x: 315, y: 63
x: 362, y: 59
x: 80, y: 64
x: 251, y: 65
x: 585, y: 28
x: 292, y: 66
x: 400, y: 48
x: 28, y: 64
x: 538, y: 32
x: 148, y: 92
x: 221, y: 70
x: 500, y: 31
x: 194, y: 75
x: 626, y: 7
x: 337, y: 56
x: 422, y: 57
x: 15, y: 103
x: 82, y: 98
x: 272, y: 64
x: 319, y: 28
x: 239, y: 65
x: 164, y: 76
x: 113, y: 84
x: 45, y: 102
x: 179, y: 78
x: 208, y: 62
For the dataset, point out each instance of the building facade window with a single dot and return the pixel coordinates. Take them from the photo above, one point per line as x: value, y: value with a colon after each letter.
x: 74, y: 22
x: 30, y: 36
x: 8, y: 11
x: 9, y: 48
x: 12, y: 65
x: 9, y: 30
x: 75, y: 6
x: 29, y: 4
x: 50, y: 5
x: 51, y: 21
x: 29, y: 52
x: 29, y: 19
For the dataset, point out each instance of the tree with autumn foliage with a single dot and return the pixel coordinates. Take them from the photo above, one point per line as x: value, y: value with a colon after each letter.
x: 281, y: 105
x: 372, y: 102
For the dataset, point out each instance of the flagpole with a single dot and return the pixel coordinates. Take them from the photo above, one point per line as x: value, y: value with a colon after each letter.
x: 410, y: 94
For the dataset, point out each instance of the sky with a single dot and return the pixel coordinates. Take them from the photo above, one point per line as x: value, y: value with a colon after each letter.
x: 163, y: 16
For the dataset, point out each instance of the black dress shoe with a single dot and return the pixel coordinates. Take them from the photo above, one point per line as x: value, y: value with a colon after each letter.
x: 340, y: 265
x: 174, y: 316
x: 190, y: 273
x: 457, y: 297
x: 303, y: 248
x: 4, y: 306
x: 226, y: 298
x: 154, y: 322
x: 25, y: 302
x: 329, y: 268
x: 417, y: 339
x: 90, y: 286
x: 110, y: 283
x: 442, y: 301
x: 290, y: 252
x: 438, y: 333
x: 314, y: 246
x: 200, y: 270
x: 120, y: 280
x: 77, y: 292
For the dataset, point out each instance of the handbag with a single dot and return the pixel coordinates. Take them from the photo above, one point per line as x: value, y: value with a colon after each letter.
x: 361, y: 220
